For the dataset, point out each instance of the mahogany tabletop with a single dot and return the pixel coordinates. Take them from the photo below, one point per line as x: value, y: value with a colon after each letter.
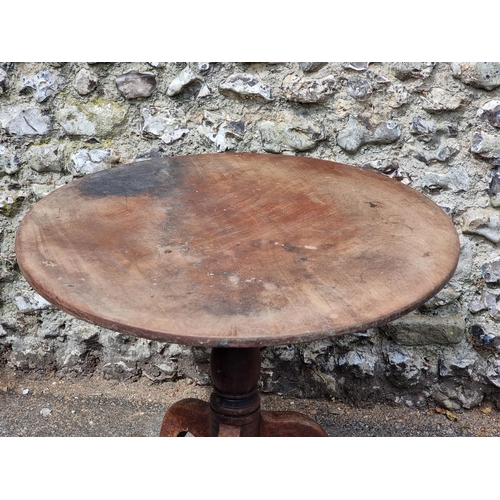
x: 237, y: 250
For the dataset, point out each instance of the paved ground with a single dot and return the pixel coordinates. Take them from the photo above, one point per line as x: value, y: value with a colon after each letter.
x: 97, y: 407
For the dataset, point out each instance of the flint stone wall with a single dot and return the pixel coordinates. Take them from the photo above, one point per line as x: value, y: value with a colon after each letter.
x: 433, y: 126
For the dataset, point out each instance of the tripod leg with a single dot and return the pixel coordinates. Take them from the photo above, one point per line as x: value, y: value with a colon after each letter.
x: 289, y: 424
x: 188, y: 415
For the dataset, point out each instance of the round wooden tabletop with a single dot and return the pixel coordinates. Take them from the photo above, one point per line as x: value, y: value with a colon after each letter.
x: 237, y: 250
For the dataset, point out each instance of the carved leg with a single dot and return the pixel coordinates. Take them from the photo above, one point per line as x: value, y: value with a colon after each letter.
x: 188, y: 415
x: 289, y: 424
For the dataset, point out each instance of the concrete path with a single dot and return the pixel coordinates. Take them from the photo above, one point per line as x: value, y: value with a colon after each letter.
x: 98, y: 407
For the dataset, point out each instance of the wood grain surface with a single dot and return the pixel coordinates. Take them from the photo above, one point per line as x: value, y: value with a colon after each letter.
x: 239, y: 250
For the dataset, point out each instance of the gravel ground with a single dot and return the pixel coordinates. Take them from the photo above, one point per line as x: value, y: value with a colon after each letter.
x: 98, y: 407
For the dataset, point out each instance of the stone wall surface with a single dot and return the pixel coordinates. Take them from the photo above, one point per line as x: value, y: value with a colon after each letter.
x: 433, y: 126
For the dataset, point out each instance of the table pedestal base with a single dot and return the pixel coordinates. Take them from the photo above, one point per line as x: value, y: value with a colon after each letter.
x: 234, y: 408
x: 193, y: 416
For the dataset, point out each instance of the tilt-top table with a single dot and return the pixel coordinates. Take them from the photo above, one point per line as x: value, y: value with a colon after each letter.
x: 235, y: 252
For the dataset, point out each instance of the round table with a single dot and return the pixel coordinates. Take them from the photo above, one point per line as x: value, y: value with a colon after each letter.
x: 236, y: 251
